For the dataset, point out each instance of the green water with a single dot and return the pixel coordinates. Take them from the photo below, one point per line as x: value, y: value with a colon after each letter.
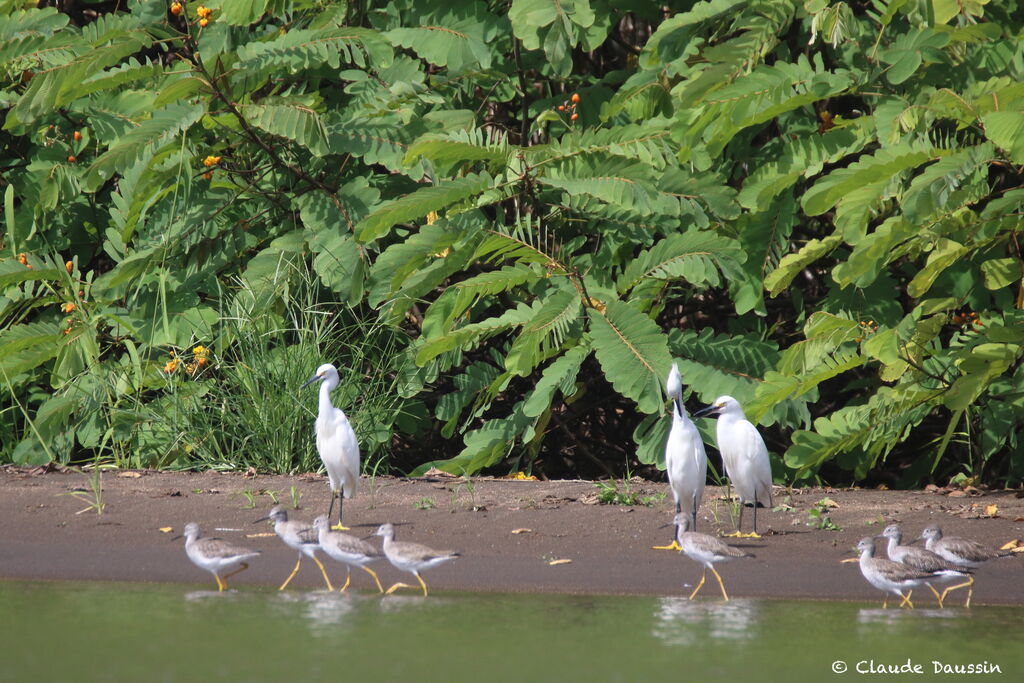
x: 130, y: 632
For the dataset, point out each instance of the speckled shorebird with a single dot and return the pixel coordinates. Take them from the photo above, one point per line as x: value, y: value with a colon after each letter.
x: 354, y: 552
x: 891, y: 577
x: 215, y: 555
x: 960, y: 551
x: 920, y: 558
x: 704, y: 549
x: 411, y: 557
x: 297, y: 536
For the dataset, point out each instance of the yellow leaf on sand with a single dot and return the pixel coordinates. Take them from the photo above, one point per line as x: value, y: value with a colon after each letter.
x: 166, y: 529
x: 129, y: 475
x: 266, y: 534
x: 992, y: 510
x: 524, y: 530
x: 1011, y: 545
x: 555, y: 562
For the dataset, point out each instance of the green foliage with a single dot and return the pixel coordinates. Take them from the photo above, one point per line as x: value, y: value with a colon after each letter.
x: 506, y: 222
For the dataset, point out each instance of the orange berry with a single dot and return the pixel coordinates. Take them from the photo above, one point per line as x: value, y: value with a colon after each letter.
x: 208, y: 175
x: 574, y: 117
x: 77, y: 136
x: 575, y: 98
x: 176, y: 8
x: 561, y: 107
x: 201, y: 360
x: 69, y: 266
x: 29, y: 266
x: 71, y: 158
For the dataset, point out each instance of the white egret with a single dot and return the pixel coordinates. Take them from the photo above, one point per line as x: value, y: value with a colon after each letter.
x: 336, y: 442
x: 215, y: 555
x: 411, y: 557
x: 297, y: 536
x: 685, y: 459
x: 744, y: 455
x: 964, y: 552
x: 706, y: 550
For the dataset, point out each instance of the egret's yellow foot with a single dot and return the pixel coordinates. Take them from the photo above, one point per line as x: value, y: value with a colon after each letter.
x: 734, y: 534
x: 674, y: 545
x: 341, y: 527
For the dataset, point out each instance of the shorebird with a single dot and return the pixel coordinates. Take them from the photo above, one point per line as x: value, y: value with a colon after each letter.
x: 922, y: 559
x: 704, y: 549
x: 335, y: 442
x: 685, y: 459
x: 960, y: 551
x: 298, y: 536
x: 215, y: 555
x: 744, y: 455
x: 354, y: 552
x: 411, y: 557
x: 891, y: 577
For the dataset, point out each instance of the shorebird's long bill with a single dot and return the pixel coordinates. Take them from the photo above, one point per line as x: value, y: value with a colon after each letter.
x: 314, y: 378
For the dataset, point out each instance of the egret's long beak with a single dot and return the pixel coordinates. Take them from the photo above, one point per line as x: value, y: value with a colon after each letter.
x: 314, y: 378
x: 678, y: 402
x: 709, y: 410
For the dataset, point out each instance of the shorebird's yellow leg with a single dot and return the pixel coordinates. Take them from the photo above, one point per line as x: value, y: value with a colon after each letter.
x: 885, y: 601
x: 290, y: 576
x: 937, y: 596
x: 245, y: 565
x: 220, y: 584
x: 374, y: 575
x: 674, y: 545
x: 969, y: 584
x: 348, y: 579
x: 324, y: 572
x: 422, y: 584
x: 720, y: 584
x: 906, y: 599
x: 702, y: 576
x: 397, y: 586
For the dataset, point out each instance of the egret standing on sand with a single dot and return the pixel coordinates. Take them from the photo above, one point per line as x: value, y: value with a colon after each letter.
x: 744, y: 455
x: 685, y: 459
x: 336, y: 442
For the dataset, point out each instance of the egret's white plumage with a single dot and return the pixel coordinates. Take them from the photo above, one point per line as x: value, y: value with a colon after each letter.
x: 335, y: 441
x: 685, y: 459
x: 744, y: 454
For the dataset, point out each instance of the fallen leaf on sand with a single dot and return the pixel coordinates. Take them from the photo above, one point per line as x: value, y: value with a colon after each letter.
x: 524, y: 530
x: 434, y: 473
x: 262, y: 535
x: 1010, y: 545
x: 992, y: 510
x: 166, y: 529
x: 129, y: 475
x: 554, y: 562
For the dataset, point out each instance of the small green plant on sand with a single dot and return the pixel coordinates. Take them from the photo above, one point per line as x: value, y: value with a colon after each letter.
x: 250, y: 498
x: 465, y: 484
x: 94, y: 495
x: 424, y: 504
x: 273, y: 496
x: 818, y: 518
x: 295, y: 498
x: 609, y: 494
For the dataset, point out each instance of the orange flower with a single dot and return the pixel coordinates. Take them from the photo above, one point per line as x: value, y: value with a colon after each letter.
x: 23, y: 259
x: 203, y: 23
x: 71, y: 158
x: 68, y: 307
x: 176, y: 8
x: 211, y: 160
x: 171, y: 366
x: 77, y: 136
x: 204, y: 12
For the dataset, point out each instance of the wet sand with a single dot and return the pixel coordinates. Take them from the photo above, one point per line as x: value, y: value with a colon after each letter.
x: 508, y: 532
